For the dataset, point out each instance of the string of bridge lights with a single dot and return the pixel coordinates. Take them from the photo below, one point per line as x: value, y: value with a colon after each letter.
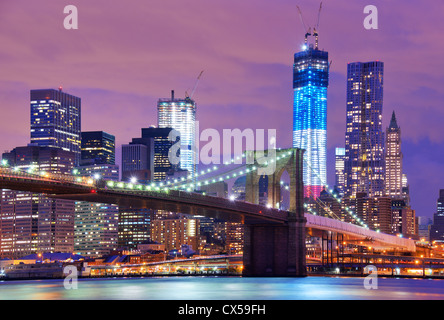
x: 321, y: 203
x: 32, y: 170
x: 183, y: 184
x: 161, y: 186
x: 330, y: 191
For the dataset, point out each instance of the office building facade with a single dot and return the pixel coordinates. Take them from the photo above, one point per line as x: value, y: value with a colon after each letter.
x: 98, y: 147
x: 162, y: 165
x: 364, y: 138
x: 134, y: 227
x: 180, y: 115
x: 174, y: 233
x: 339, y: 170
x: 55, y: 120
x: 437, y: 228
x: 138, y: 161
x: 32, y: 223
x: 96, y: 224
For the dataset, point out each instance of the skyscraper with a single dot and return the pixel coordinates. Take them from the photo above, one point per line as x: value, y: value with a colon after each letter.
x: 134, y: 227
x: 162, y: 145
x: 96, y: 224
x: 393, y: 160
x: 33, y: 223
x: 339, y: 170
x: 55, y: 120
x: 404, y: 220
x: 180, y: 114
x: 310, y: 82
x: 437, y: 228
x: 138, y: 160
x: 364, y: 139
x: 98, y: 147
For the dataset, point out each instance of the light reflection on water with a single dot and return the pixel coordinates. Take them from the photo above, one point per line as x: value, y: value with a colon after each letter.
x: 224, y: 288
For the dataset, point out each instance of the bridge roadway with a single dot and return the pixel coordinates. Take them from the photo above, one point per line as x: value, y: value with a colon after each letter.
x: 83, y: 189
x: 171, y: 200
x: 350, y: 231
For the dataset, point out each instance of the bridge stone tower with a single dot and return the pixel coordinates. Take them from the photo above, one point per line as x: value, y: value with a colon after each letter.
x: 276, y: 249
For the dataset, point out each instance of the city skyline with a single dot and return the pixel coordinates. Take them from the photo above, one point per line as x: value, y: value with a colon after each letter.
x: 265, y: 74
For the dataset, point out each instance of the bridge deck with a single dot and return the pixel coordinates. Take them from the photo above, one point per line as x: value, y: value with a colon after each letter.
x: 179, y: 201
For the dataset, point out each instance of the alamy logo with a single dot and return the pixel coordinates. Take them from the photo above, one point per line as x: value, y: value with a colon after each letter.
x: 71, y: 279
x: 72, y: 19
x: 371, y: 281
x: 371, y: 21
x: 232, y: 141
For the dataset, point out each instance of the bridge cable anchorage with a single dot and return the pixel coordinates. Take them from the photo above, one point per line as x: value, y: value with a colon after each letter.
x: 347, y: 209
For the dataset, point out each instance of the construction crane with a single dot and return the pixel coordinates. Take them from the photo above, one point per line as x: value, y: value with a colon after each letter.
x: 308, y: 30
x: 195, y: 86
x: 315, y: 29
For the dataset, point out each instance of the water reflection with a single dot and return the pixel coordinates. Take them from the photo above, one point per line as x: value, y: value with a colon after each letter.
x: 195, y: 288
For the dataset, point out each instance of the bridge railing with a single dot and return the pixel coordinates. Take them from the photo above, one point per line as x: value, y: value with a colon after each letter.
x: 45, y: 176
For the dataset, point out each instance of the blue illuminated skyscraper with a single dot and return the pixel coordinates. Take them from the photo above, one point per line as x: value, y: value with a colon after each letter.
x: 310, y: 82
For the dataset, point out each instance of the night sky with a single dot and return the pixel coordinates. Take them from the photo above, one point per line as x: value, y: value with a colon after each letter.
x: 127, y: 54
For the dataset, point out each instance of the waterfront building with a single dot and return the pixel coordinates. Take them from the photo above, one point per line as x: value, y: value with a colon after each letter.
x: 437, y: 228
x: 32, y: 223
x: 174, y: 233
x: 96, y: 224
x: 134, y: 227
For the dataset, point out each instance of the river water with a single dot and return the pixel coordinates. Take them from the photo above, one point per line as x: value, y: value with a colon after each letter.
x: 225, y: 288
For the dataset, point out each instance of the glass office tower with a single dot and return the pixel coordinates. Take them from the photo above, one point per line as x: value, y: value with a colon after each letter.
x: 310, y: 82
x: 339, y: 170
x: 98, y: 147
x: 180, y: 114
x: 162, y: 145
x: 55, y: 120
x: 364, y: 138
